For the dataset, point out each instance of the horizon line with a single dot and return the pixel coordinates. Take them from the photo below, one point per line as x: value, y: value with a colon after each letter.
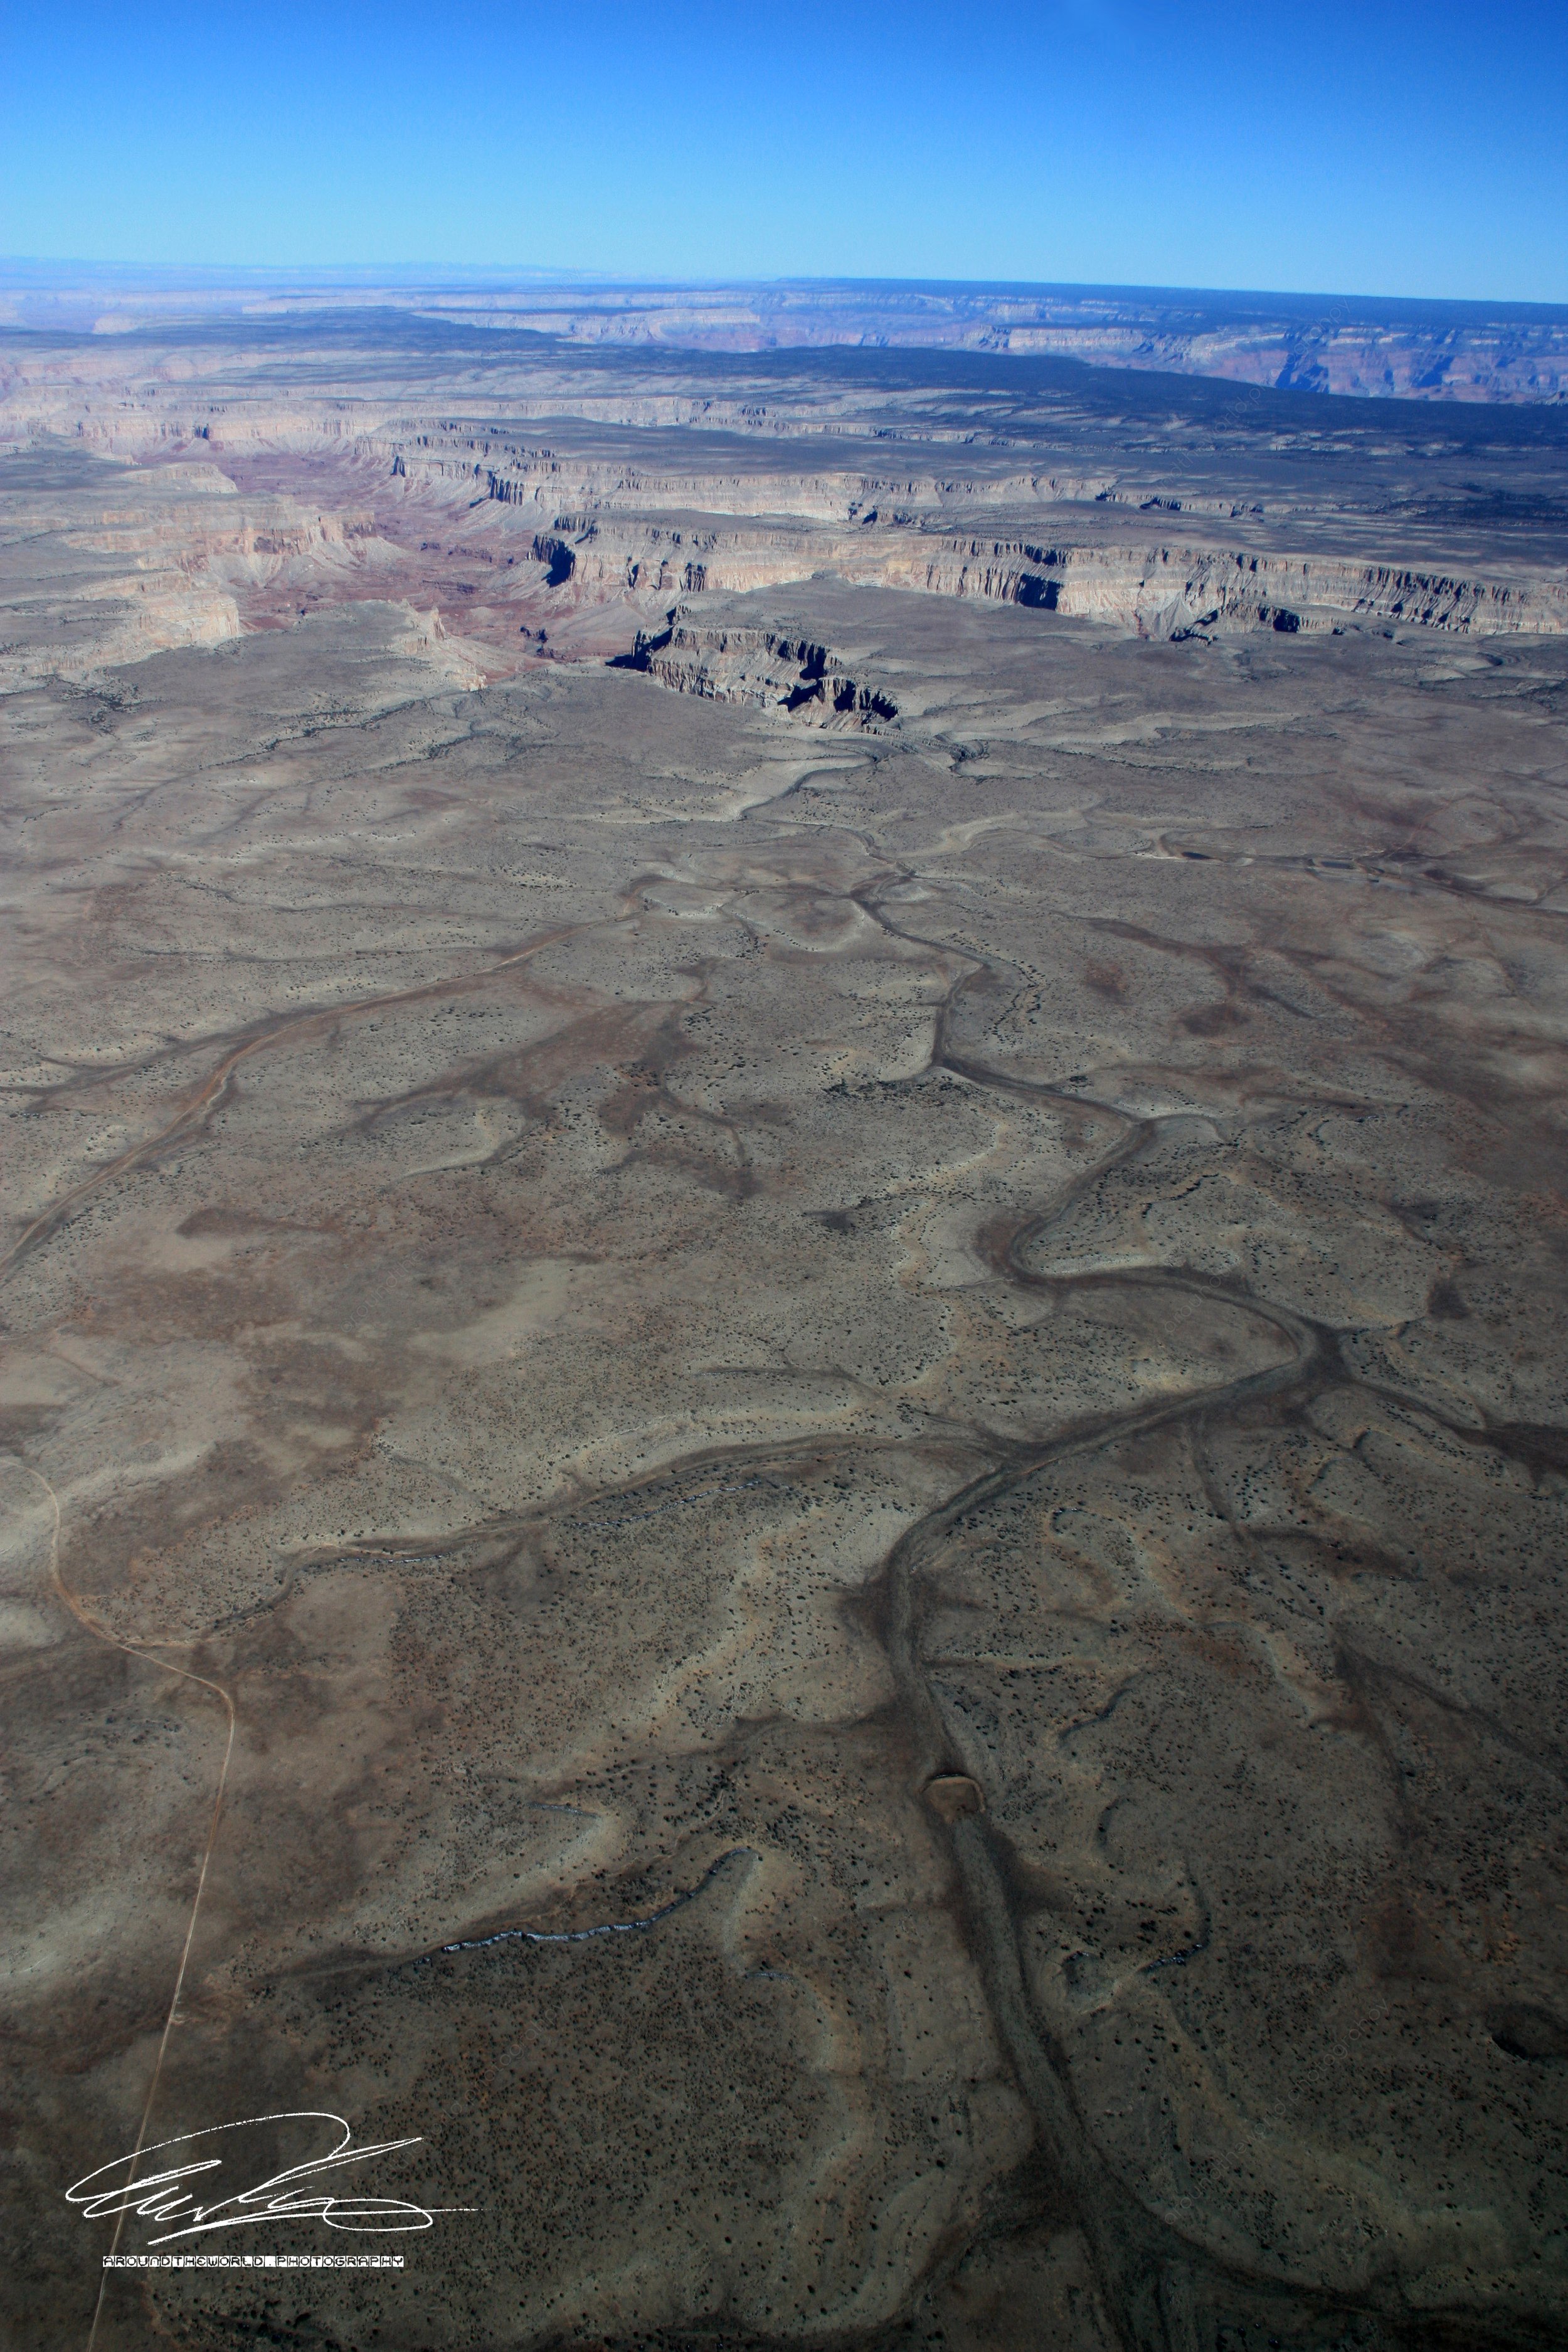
x: 501, y: 276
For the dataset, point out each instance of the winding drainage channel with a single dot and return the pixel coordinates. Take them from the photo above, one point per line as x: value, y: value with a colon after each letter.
x: 608, y: 1926
x: 676, y: 1503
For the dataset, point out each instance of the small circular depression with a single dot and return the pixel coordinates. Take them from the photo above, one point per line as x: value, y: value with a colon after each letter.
x: 952, y: 1793
x: 1526, y: 2031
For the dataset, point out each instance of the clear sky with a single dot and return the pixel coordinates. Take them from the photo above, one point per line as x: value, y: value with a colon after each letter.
x: 1377, y: 147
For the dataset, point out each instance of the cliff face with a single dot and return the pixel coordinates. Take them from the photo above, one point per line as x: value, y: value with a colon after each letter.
x: 1363, y: 347
x: 762, y: 669
x: 1478, y: 361
x: 1171, y: 590
x: 242, y: 494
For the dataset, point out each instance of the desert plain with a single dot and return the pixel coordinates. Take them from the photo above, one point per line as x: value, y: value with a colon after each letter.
x: 783, y: 1358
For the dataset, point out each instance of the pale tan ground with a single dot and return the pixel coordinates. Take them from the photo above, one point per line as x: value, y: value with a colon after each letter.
x: 939, y: 1329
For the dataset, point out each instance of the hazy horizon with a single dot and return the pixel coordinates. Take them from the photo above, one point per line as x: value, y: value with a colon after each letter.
x: 481, y: 276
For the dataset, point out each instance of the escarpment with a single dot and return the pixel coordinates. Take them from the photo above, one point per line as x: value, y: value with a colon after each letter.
x: 762, y: 668
x: 560, y: 514
x: 1164, y: 590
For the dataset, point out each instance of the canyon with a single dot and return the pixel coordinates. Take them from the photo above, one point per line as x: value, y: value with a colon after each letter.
x: 781, y: 1454
x: 1338, y: 343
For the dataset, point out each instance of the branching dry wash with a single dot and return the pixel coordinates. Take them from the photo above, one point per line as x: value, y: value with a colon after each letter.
x: 785, y: 1164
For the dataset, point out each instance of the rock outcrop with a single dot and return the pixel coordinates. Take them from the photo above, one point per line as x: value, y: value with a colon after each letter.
x: 761, y: 668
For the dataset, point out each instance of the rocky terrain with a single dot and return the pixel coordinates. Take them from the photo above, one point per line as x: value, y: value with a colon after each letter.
x: 539, y: 501
x: 1450, y: 350
x: 782, y: 1361
x: 1329, y: 342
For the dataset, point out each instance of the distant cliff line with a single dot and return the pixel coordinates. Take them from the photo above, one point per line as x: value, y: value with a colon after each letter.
x: 1341, y: 344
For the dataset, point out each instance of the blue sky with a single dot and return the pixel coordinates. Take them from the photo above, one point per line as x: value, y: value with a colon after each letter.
x: 1372, y: 148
